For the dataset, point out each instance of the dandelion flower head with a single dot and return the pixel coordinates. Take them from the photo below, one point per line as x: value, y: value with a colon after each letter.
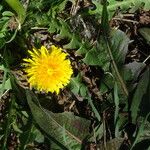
x: 48, y: 70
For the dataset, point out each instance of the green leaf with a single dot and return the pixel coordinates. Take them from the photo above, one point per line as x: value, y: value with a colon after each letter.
x: 99, y: 55
x: 15, y: 127
x: 59, y: 5
x: 1, y: 7
x: 27, y: 133
x: 105, y: 20
x: 39, y: 136
x: 19, y: 9
x: 119, y: 43
x: 83, y: 49
x: 123, y: 5
x: 2, y: 40
x: 145, y: 32
x: 131, y: 71
x: 54, y: 26
x: 75, y: 84
x: 7, y: 13
x: 11, y: 114
x: 145, y: 134
x: 67, y: 129
x: 97, y: 115
x: 145, y: 104
x: 77, y: 87
x: 107, y: 83
x: 138, y: 95
x: 83, y: 91
x: 121, y: 122
x: 65, y: 30
x: 74, y: 43
x: 140, y: 131
x: 147, y: 5
x: 7, y: 85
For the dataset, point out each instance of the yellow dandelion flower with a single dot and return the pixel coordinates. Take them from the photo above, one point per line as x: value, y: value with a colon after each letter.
x: 48, y: 70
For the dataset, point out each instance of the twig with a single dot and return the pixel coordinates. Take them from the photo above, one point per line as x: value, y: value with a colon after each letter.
x: 39, y: 28
x: 146, y: 59
x: 26, y: 4
x: 109, y: 131
x: 72, y: 104
x: 127, y: 15
x: 126, y: 20
x: 4, y: 93
x: 104, y: 131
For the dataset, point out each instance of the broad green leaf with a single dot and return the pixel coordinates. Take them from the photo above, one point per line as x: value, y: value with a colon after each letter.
x: 107, y: 82
x: 91, y: 58
x: 139, y: 93
x: 77, y: 87
x: 6, y: 86
x: 83, y: 49
x: 99, y: 55
x: 83, y: 90
x: 119, y: 43
x: 74, y: 43
x: 75, y: 84
x: 131, y: 71
x: 68, y: 129
x: 145, y: 32
x: 147, y: 5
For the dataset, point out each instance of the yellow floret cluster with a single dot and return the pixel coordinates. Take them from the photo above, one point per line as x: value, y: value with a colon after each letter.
x: 48, y: 70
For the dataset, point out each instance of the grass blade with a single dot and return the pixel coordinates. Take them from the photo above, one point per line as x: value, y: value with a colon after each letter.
x: 8, y: 124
